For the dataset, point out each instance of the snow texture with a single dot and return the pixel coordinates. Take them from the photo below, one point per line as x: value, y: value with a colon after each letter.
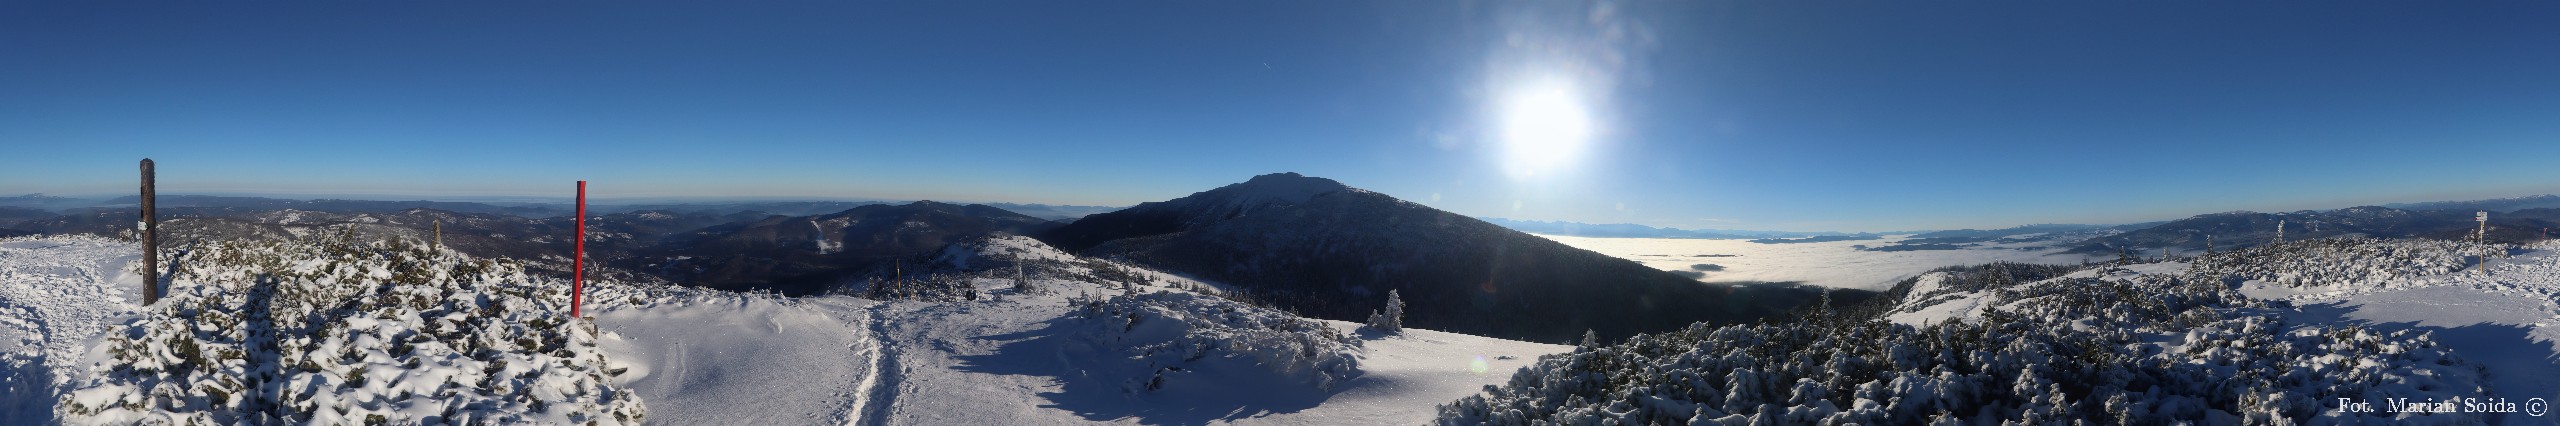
x: 58, y: 295
x: 2161, y: 343
x: 1050, y: 341
x: 1174, y: 333
x: 335, y: 332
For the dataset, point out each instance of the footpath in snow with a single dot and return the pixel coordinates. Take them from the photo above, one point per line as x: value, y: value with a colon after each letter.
x: 746, y: 359
x: 57, y: 295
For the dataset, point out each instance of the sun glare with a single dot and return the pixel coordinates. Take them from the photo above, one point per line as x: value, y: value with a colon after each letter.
x: 1544, y: 128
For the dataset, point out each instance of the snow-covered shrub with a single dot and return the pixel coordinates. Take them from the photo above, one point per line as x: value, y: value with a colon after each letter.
x: 1172, y: 333
x: 1016, y: 262
x: 937, y: 288
x: 338, y: 332
x: 621, y: 288
x: 2348, y: 261
x: 1390, y: 320
x: 2104, y: 351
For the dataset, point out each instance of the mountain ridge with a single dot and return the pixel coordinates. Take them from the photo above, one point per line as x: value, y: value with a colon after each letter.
x: 1332, y: 251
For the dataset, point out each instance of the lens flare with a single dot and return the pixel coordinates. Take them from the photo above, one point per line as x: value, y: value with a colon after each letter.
x: 1478, y: 366
x: 1545, y: 127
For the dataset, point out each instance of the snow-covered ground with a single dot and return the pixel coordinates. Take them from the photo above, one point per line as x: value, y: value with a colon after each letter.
x: 57, y: 295
x: 705, y: 357
x: 1836, y: 264
x: 744, y: 359
x: 1017, y: 361
x: 2504, y: 316
x: 1010, y: 357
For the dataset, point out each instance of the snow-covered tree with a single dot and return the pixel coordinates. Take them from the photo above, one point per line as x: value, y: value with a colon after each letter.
x: 1390, y: 320
x: 1022, y: 285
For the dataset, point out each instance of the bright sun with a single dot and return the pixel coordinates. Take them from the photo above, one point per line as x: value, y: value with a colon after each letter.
x: 1544, y: 127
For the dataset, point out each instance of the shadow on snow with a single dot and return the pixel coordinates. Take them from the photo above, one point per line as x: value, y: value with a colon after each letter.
x: 2519, y: 364
x: 1105, y: 383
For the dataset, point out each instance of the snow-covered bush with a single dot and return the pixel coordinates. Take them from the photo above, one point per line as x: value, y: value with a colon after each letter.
x: 2105, y: 351
x: 1173, y: 333
x: 2348, y: 261
x: 612, y: 288
x: 1390, y: 320
x: 938, y: 288
x: 337, y: 332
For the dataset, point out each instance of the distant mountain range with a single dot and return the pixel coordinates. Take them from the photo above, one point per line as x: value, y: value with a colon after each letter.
x: 1054, y: 212
x: 2010, y: 231
x: 531, y: 210
x: 739, y: 250
x: 1819, y: 239
x: 2516, y: 219
x: 801, y: 255
x: 2243, y: 229
x: 2501, y: 205
x: 53, y: 204
x: 40, y: 201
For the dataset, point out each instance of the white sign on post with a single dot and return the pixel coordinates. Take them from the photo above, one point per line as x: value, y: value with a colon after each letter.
x: 2484, y: 217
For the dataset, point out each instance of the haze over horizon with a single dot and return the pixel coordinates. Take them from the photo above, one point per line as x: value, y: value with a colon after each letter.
x: 1795, y: 116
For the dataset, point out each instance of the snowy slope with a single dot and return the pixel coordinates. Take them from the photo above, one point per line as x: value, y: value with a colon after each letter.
x: 743, y: 358
x: 1019, y: 362
x: 1930, y: 303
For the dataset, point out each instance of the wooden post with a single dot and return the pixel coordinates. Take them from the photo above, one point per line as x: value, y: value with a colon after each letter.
x: 439, y: 235
x: 578, y: 265
x: 150, y: 239
x: 2207, y: 260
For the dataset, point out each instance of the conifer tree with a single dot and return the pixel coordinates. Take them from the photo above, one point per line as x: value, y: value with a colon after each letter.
x: 1390, y: 320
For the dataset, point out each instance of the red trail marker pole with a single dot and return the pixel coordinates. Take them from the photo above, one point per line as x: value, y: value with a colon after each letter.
x: 578, y: 265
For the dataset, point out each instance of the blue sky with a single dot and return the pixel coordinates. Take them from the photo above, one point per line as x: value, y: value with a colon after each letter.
x: 1791, y: 115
